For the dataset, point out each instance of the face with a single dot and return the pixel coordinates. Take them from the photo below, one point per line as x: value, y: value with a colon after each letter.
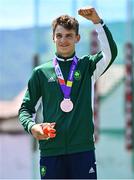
x: 65, y: 41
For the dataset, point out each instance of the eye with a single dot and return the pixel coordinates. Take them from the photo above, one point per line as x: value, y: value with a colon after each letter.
x: 58, y: 36
x: 69, y: 36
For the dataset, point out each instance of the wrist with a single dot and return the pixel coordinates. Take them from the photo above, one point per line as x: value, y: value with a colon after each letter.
x: 30, y: 127
x: 98, y: 21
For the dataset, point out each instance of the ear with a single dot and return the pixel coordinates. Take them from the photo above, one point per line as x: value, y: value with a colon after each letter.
x: 53, y: 38
x: 77, y: 38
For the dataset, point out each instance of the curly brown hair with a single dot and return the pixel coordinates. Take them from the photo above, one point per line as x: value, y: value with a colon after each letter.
x: 67, y: 22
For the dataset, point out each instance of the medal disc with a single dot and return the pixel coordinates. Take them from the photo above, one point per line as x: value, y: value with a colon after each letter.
x: 66, y: 105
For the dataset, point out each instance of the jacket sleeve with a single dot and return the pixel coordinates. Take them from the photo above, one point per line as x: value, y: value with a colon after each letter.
x: 108, y: 53
x: 28, y: 106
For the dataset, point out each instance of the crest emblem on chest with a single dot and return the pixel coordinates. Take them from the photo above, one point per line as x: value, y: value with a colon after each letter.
x: 77, y: 75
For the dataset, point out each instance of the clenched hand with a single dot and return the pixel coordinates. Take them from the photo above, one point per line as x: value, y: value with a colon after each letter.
x: 90, y: 14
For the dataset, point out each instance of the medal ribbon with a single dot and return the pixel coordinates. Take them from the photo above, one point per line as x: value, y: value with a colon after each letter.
x: 65, y: 87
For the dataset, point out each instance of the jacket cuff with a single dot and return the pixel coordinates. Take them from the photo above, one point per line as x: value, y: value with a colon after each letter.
x: 30, y: 126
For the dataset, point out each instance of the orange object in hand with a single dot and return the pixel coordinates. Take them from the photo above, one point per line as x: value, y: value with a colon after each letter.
x: 49, y: 131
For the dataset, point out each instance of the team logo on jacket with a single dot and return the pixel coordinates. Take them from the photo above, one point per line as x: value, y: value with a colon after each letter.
x: 43, y: 170
x: 77, y: 75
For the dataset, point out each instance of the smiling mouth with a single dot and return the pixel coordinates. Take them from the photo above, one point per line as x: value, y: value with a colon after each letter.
x: 64, y: 45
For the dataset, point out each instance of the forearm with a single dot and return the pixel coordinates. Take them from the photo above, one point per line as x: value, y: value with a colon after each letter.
x: 26, y: 118
x: 107, y: 43
x: 108, y: 51
x: 30, y: 102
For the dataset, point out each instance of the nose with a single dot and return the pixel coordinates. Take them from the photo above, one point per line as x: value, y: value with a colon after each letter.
x: 63, y: 39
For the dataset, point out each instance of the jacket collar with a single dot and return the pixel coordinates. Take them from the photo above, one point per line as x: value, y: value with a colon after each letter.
x: 60, y: 58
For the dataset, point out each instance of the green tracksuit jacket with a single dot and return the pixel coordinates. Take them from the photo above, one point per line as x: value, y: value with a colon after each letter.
x: 74, y: 130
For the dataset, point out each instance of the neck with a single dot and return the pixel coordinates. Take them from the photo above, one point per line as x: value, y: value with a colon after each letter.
x: 65, y: 57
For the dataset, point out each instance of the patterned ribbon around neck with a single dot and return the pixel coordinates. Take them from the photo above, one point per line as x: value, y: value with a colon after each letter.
x: 65, y: 87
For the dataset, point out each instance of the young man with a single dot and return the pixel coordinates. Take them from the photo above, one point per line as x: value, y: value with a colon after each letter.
x: 65, y: 86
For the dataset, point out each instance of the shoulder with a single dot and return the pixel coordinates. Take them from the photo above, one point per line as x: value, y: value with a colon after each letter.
x: 91, y: 58
x: 47, y: 64
x: 86, y: 59
x: 44, y: 66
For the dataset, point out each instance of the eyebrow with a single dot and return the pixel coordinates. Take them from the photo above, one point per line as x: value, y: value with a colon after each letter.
x: 65, y: 34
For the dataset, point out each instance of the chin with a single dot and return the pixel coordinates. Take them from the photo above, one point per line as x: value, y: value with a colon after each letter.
x: 65, y: 54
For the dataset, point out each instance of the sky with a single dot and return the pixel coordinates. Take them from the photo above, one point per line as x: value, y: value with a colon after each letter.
x: 20, y: 13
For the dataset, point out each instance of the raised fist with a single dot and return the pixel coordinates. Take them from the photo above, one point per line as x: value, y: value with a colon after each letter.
x: 90, y: 14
